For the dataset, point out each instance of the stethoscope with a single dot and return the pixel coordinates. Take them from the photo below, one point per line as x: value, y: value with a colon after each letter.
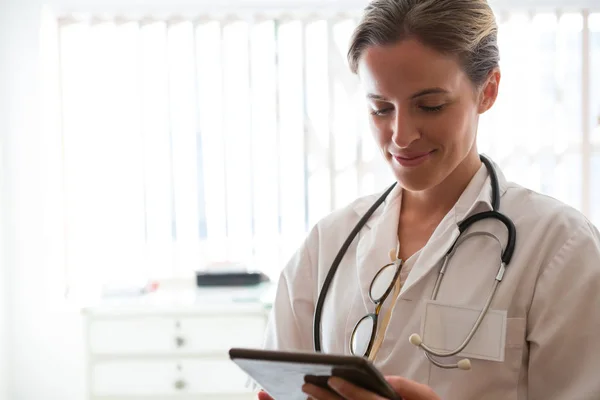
x: 415, y: 339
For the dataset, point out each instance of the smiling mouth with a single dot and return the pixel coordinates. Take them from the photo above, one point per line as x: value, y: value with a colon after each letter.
x: 413, y: 160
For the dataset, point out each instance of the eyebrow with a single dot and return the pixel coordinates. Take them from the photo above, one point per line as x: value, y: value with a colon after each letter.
x: 373, y: 96
x: 424, y: 92
x: 435, y: 90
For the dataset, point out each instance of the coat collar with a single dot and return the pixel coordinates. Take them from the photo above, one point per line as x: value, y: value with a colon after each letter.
x: 379, y: 235
x: 477, y: 197
x: 392, y: 199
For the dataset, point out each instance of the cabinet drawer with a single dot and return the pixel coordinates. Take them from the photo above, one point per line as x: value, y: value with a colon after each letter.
x: 166, y: 378
x: 160, y: 335
x: 221, y: 333
x: 213, y: 376
x: 132, y: 336
x: 135, y: 378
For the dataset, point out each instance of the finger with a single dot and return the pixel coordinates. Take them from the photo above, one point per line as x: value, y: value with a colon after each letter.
x: 262, y: 395
x: 411, y: 389
x: 351, y: 392
x: 318, y: 393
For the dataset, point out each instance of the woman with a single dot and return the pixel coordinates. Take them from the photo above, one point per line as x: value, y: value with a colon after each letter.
x: 429, y: 69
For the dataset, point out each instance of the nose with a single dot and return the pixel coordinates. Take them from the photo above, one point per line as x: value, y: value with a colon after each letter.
x: 404, y: 131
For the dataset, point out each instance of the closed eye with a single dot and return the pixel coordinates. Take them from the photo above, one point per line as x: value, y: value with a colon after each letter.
x: 382, y: 111
x: 432, y: 109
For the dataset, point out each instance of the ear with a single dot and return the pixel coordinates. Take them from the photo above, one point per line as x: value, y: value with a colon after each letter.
x: 489, y: 91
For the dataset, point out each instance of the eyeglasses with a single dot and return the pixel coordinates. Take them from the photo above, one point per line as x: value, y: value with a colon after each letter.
x: 365, y: 331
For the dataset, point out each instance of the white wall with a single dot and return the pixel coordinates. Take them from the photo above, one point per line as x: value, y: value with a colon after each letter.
x: 45, y: 346
x: 4, y: 346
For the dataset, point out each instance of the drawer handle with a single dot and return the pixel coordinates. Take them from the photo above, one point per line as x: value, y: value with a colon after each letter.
x: 179, y: 341
x: 180, y: 385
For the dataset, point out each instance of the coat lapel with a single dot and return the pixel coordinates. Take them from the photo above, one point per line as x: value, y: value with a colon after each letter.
x: 475, y: 199
x: 435, y: 249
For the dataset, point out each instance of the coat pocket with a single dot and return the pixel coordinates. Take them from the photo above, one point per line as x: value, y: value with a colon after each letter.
x: 486, y: 379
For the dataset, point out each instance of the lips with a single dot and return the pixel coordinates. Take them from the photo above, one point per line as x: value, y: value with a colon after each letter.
x: 412, y: 159
x: 412, y: 156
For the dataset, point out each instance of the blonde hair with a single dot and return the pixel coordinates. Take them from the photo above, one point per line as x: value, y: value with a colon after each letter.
x: 465, y: 28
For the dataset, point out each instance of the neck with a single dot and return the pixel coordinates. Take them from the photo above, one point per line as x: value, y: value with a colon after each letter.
x: 439, y: 200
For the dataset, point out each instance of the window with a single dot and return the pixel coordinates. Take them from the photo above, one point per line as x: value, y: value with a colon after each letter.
x: 188, y: 141
x: 544, y: 130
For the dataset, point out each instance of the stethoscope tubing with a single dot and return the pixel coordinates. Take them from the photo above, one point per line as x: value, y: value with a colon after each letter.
x: 462, y: 227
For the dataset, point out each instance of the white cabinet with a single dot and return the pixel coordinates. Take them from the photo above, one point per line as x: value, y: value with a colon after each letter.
x: 132, y: 335
x: 134, y: 378
x: 167, y: 378
x: 147, y: 350
x: 208, y: 376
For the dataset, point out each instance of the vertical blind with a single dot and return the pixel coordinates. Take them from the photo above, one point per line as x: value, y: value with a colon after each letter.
x: 189, y: 141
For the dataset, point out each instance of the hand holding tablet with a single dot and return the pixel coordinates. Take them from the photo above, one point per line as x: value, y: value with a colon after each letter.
x: 282, y: 374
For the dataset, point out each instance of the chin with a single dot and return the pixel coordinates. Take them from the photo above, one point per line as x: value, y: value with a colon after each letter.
x: 413, y: 184
x: 417, y: 179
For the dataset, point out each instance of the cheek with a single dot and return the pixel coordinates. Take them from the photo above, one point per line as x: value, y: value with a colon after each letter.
x: 453, y: 128
x: 379, y: 130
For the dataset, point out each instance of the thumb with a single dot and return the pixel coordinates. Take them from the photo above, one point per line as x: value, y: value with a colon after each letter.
x: 262, y: 395
x: 411, y: 390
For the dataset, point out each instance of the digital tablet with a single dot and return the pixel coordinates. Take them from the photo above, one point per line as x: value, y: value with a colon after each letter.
x: 282, y: 374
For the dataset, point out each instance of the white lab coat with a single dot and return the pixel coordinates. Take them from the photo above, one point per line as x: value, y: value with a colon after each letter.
x: 551, y: 294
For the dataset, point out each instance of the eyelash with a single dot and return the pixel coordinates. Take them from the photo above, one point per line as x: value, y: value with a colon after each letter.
x: 424, y: 108
x: 432, y: 109
x: 381, y: 112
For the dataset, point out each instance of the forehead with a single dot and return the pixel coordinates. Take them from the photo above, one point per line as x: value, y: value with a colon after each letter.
x: 406, y: 67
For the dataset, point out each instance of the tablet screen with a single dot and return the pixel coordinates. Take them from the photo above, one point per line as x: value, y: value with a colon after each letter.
x: 278, y: 378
